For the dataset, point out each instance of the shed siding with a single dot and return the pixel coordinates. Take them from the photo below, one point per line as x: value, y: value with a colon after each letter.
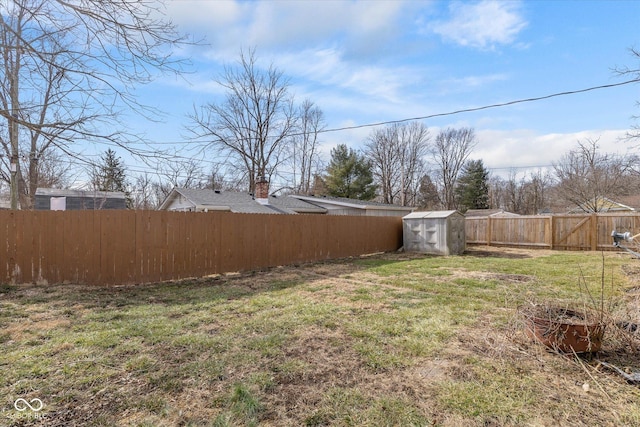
x: 436, y: 232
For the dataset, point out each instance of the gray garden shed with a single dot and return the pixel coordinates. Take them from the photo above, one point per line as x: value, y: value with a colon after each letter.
x: 434, y: 232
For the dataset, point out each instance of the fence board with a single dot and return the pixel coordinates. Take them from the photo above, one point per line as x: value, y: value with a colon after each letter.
x: 107, y: 247
x: 562, y: 232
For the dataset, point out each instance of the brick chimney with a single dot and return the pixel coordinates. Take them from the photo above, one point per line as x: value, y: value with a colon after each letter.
x: 262, y: 191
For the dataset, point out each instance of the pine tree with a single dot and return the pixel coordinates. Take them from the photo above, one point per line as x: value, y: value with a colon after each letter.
x: 428, y: 194
x: 472, y: 190
x: 349, y: 175
x: 110, y: 175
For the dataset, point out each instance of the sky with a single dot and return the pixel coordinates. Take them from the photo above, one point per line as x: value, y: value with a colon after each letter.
x: 365, y: 62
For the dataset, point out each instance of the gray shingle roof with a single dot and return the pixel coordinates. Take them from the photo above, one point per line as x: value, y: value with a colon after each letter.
x: 296, y: 205
x: 355, y: 203
x: 244, y: 202
x: 56, y: 192
x: 236, y: 201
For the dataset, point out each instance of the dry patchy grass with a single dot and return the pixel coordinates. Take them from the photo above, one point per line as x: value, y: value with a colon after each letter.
x: 393, y: 339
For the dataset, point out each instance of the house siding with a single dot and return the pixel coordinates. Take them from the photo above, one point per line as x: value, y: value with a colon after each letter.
x: 180, y: 203
x: 43, y: 202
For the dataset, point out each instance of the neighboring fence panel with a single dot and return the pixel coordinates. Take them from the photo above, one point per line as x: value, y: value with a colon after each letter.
x: 561, y: 232
x: 110, y: 247
x: 609, y: 222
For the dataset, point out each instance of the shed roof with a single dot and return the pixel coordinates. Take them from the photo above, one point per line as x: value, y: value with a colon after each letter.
x: 431, y: 214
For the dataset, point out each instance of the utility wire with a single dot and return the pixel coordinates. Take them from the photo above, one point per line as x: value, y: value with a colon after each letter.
x: 485, y: 107
x: 141, y: 169
x: 452, y: 113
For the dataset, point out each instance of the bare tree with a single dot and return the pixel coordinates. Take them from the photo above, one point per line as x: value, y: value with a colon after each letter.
x: 537, y: 191
x: 514, y: 195
x: 53, y: 171
x: 69, y: 68
x: 255, y: 122
x: 181, y: 174
x: 397, y: 153
x: 306, y: 155
x: 144, y: 196
x: 634, y: 133
x: 586, y: 175
x: 451, y: 149
x: 414, y: 142
x: 525, y: 195
x: 381, y: 150
x: 496, y: 192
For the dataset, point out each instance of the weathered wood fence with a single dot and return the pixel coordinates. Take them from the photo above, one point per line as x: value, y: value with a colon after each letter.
x: 562, y: 232
x: 112, y: 247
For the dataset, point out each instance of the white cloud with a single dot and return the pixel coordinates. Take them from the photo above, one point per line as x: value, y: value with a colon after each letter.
x: 204, y: 16
x: 231, y: 24
x: 464, y: 84
x: 525, y: 150
x: 482, y: 25
x: 325, y: 71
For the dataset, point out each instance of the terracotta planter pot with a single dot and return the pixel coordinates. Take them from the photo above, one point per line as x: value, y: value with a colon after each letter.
x: 565, y: 330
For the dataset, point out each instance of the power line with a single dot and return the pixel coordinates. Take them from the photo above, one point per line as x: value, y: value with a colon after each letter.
x: 455, y: 112
x: 141, y: 169
x: 485, y: 107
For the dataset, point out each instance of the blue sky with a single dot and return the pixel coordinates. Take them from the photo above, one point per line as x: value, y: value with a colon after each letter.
x: 373, y: 61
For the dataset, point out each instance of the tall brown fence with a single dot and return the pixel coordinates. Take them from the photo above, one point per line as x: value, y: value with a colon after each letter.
x: 109, y: 247
x: 562, y: 232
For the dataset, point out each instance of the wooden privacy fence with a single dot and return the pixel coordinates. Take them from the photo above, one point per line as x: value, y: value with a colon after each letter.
x: 112, y: 247
x: 563, y: 232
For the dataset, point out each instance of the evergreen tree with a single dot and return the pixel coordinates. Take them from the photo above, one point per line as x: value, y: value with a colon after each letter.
x: 349, y: 175
x: 472, y: 190
x: 428, y: 194
x: 109, y: 175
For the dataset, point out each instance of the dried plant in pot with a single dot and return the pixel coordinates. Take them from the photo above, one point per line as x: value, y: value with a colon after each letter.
x: 563, y: 329
x: 570, y: 330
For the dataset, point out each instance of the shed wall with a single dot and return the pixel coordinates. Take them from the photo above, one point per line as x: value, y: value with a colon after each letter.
x: 437, y: 235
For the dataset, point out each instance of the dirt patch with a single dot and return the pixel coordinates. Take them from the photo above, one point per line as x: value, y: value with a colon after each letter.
x: 500, y: 277
x: 497, y: 252
x: 33, y: 328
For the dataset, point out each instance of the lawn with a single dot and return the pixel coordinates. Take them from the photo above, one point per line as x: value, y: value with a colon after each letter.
x: 385, y: 340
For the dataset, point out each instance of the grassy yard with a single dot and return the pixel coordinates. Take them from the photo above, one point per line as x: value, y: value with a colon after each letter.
x: 387, y: 340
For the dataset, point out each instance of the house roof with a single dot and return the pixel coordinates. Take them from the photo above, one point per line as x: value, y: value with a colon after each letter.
x: 602, y: 204
x: 295, y: 204
x: 57, y: 192
x: 238, y: 202
x: 352, y: 203
x: 631, y: 200
x: 475, y: 213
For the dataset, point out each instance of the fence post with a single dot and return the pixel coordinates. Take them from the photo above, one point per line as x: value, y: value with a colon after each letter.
x: 552, y: 238
x: 488, y: 231
x: 594, y: 232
